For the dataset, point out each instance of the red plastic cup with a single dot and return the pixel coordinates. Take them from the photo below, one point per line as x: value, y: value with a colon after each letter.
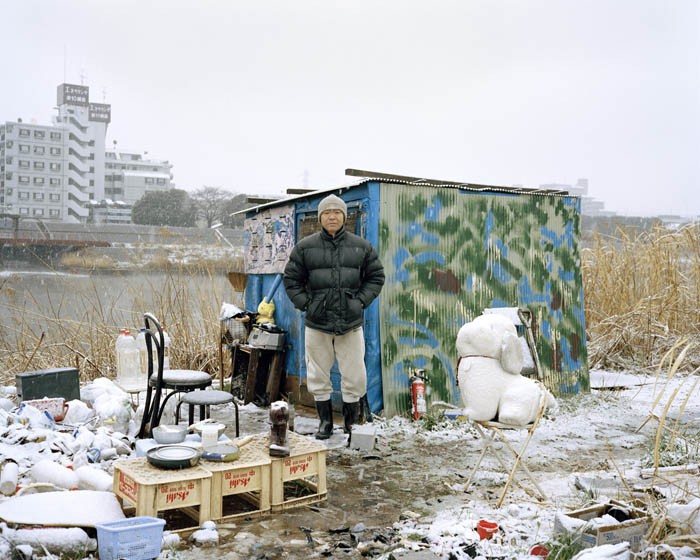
x: 539, y: 550
x: 486, y: 529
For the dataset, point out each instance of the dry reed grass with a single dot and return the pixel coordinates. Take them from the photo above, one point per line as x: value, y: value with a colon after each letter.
x: 677, y: 484
x: 642, y: 295
x: 186, y: 301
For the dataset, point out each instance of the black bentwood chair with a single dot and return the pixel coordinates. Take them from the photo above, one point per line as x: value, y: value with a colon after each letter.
x: 171, y: 381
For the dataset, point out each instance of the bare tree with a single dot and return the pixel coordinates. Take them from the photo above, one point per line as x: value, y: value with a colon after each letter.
x: 211, y: 203
x: 238, y: 202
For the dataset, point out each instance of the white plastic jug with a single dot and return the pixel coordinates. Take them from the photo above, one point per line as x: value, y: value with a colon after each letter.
x: 210, y: 436
x: 128, y: 366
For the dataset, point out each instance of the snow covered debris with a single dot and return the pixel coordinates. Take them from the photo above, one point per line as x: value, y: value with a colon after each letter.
x: 687, y: 516
x: 207, y: 535
x: 54, y: 540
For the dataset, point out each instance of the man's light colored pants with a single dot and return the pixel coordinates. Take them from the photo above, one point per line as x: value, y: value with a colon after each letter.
x: 321, y: 351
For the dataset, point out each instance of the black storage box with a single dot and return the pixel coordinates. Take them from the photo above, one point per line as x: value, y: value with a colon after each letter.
x: 56, y: 382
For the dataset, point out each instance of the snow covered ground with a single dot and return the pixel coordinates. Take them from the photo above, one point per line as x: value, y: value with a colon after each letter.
x: 408, y: 497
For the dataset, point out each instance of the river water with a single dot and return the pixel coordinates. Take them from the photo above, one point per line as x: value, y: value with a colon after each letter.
x: 76, y: 308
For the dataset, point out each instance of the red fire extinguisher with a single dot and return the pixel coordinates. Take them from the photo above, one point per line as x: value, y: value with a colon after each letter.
x: 418, y: 393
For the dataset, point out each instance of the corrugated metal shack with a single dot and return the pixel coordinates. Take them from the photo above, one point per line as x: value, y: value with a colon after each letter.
x: 450, y: 250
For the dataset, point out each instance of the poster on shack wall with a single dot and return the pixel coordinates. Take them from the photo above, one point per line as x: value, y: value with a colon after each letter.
x: 269, y: 239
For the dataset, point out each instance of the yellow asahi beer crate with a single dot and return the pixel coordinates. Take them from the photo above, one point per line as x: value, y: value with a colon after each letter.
x: 246, y: 479
x: 298, y: 479
x: 152, y: 490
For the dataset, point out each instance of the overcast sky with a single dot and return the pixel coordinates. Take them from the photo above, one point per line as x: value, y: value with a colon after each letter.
x: 259, y: 96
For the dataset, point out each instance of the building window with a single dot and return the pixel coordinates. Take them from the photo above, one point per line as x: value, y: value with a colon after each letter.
x: 23, y: 133
x: 38, y: 212
x: 23, y: 164
x: 55, y: 151
x: 38, y: 196
x: 24, y: 211
x: 39, y: 134
x: 39, y: 165
x: 55, y: 213
x: 149, y: 180
x: 54, y: 181
x: 55, y: 166
x: 53, y: 197
x: 22, y: 195
x: 8, y: 175
x: 24, y: 179
x: 38, y: 180
x: 23, y: 148
x: 8, y: 192
x: 8, y: 159
x: 55, y: 136
x: 39, y: 150
x: 161, y: 181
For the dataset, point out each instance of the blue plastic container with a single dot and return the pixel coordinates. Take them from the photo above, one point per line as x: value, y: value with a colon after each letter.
x: 135, y: 538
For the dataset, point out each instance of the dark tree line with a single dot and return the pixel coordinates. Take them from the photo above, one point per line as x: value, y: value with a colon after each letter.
x: 178, y: 208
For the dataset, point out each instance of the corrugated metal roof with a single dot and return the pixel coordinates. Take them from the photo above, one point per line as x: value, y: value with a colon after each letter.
x: 413, y: 181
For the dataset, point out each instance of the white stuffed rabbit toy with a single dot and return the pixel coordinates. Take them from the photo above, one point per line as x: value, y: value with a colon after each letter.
x: 489, y: 373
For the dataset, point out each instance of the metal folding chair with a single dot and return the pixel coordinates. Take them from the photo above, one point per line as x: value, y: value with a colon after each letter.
x: 491, y: 433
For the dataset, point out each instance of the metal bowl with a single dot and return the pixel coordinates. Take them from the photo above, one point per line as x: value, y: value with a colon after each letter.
x: 168, y: 433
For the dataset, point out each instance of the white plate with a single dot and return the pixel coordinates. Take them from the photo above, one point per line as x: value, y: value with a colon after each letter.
x: 175, y: 453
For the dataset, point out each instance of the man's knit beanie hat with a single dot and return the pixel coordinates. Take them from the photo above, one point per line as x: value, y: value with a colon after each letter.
x: 332, y: 202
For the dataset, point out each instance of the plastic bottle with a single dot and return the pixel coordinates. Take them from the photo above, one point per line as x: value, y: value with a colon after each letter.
x: 143, y: 352
x: 117, y: 347
x: 8, y: 477
x: 128, y: 358
x: 210, y: 436
x: 92, y: 478
x: 143, y: 355
x: 166, y: 350
x: 58, y: 475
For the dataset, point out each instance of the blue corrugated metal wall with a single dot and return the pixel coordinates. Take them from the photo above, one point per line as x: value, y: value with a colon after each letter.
x: 364, y: 198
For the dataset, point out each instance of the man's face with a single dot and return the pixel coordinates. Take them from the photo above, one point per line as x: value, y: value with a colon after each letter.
x: 332, y: 221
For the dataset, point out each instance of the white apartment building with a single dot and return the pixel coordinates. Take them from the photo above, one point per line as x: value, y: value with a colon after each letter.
x: 589, y: 206
x: 63, y: 171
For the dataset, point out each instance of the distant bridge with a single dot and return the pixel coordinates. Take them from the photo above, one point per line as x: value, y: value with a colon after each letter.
x: 23, y: 232
x: 40, y: 241
x: 43, y: 237
x: 36, y: 241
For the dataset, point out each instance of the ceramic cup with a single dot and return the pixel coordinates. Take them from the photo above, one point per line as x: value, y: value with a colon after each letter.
x: 486, y: 529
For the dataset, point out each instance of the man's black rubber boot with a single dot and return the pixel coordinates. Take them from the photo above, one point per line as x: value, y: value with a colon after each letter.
x: 325, y: 414
x: 351, y: 412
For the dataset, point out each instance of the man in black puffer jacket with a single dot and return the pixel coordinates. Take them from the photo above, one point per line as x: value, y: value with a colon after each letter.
x: 332, y: 276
